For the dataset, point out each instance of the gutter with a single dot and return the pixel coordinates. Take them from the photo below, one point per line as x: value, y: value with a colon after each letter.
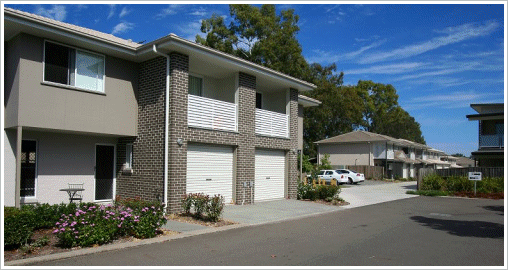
x: 166, y: 125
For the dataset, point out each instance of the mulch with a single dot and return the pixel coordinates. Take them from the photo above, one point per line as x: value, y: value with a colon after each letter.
x: 470, y: 194
x: 189, y: 218
x: 52, y: 247
x: 341, y: 203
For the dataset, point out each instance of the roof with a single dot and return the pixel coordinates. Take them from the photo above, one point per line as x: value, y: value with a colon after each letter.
x: 419, y: 145
x: 465, y: 160
x: 359, y: 136
x: 487, y: 107
x: 485, y: 116
x: 74, y: 28
x: 16, y: 21
x: 306, y: 101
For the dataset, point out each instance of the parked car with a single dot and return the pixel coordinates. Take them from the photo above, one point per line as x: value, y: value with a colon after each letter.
x: 328, y: 175
x: 352, y: 176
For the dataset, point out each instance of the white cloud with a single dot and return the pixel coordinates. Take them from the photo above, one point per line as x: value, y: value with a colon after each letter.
x: 189, y: 30
x: 125, y: 11
x: 387, y: 69
x: 56, y: 12
x: 452, y: 100
x: 122, y: 28
x: 170, y: 10
x: 364, y: 48
x: 454, y: 35
x: 112, y: 9
x: 201, y: 12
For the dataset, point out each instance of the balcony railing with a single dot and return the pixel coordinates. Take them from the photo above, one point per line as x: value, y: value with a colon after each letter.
x: 491, y: 141
x: 272, y: 124
x: 212, y: 114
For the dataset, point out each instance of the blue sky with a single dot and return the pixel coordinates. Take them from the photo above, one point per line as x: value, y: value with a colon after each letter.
x: 440, y: 58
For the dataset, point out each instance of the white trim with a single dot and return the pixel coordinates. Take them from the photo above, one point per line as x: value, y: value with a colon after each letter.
x: 95, y: 173
x: 76, y: 49
x: 34, y: 197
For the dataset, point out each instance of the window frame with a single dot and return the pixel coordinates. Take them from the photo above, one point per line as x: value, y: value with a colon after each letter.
x: 68, y: 86
x: 128, y: 156
x: 202, y: 84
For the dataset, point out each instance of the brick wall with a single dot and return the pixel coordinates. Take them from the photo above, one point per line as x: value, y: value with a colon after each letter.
x: 147, y: 177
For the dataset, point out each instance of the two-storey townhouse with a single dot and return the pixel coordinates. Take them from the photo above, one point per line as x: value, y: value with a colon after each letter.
x: 400, y: 157
x: 490, y: 117
x: 156, y: 120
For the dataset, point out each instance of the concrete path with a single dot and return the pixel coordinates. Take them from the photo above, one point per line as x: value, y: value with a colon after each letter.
x: 274, y: 211
x: 362, y: 195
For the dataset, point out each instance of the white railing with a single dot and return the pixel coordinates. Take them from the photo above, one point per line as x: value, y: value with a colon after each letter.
x: 272, y: 124
x: 212, y: 114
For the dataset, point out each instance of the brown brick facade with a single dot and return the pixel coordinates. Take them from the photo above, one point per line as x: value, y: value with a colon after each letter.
x: 147, y: 178
x: 148, y: 148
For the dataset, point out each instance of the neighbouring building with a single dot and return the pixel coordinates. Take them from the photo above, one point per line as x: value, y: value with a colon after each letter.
x: 490, y: 117
x: 466, y: 162
x: 157, y: 120
x: 400, y: 158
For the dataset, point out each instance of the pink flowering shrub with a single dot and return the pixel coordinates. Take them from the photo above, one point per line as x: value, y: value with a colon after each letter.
x: 98, y: 224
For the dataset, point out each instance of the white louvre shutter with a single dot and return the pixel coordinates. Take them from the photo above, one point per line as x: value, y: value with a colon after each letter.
x: 270, y: 175
x: 210, y: 170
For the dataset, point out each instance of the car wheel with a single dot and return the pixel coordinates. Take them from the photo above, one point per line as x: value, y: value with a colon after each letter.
x: 350, y: 181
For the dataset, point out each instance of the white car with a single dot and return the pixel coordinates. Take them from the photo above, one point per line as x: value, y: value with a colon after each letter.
x: 328, y: 175
x: 352, y: 176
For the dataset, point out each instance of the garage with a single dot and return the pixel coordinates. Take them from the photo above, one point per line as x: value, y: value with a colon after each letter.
x: 210, y: 170
x: 270, y: 175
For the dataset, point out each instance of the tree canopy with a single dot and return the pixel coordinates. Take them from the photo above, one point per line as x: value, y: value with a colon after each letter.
x: 260, y: 35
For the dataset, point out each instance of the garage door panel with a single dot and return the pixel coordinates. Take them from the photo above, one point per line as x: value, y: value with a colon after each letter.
x: 270, y: 175
x: 210, y: 162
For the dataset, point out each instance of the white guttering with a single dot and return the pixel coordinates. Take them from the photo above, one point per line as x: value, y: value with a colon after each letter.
x: 166, y: 125
x: 177, y: 41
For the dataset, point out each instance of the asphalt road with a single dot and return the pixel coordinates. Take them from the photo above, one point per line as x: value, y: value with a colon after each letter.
x: 420, y: 231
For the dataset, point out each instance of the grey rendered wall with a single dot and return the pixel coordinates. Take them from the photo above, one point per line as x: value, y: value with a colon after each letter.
x: 9, y: 173
x: 60, y: 108
x: 345, y: 154
x: 11, y: 82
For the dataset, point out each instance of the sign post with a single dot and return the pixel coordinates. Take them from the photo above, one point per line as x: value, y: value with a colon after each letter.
x: 475, y: 176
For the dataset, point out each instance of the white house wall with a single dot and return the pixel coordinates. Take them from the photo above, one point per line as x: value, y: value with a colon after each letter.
x: 345, y: 154
x: 63, y: 159
x: 9, y: 173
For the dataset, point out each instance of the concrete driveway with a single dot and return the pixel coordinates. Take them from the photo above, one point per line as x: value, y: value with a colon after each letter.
x: 367, y: 193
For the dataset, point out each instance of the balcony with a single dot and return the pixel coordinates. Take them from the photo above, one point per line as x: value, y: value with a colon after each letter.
x: 212, y: 114
x: 490, y: 141
x: 272, y: 124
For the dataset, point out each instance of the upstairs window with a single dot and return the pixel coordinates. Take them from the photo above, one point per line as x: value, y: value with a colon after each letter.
x: 259, y: 100
x: 73, y: 67
x: 195, y: 86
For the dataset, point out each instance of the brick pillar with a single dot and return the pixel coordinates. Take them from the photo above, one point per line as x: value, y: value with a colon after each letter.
x: 147, y: 178
x: 178, y: 99
x: 246, y: 128
x: 292, y: 156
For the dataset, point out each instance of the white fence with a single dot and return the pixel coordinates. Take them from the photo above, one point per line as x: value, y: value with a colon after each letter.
x: 212, y: 114
x: 272, y: 124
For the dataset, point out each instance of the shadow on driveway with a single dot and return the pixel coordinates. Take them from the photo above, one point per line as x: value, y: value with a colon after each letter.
x: 463, y: 228
x: 495, y: 208
x: 411, y: 187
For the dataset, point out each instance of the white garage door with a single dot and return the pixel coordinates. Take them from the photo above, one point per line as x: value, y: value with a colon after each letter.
x: 270, y: 172
x: 210, y: 170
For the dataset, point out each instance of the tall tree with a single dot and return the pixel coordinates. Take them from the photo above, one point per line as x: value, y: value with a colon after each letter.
x: 260, y: 35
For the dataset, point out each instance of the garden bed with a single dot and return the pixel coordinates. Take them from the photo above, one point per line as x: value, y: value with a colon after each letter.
x: 53, y: 247
x: 189, y: 218
x: 470, y: 194
x: 339, y: 203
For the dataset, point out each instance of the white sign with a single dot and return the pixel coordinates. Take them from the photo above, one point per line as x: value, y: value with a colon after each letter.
x: 475, y: 176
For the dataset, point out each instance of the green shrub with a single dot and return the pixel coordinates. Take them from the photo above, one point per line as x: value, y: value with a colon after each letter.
x: 324, y: 191
x: 18, y: 226
x: 431, y: 182
x: 187, y: 202
x: 458, y: 184
x: 490, y: 185
x: 200, y: 202
x: 214, y: 207
x: 306, y: 192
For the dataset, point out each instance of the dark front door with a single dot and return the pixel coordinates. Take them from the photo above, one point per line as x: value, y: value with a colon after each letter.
x: 28, y: 167
x: 104, y: 171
